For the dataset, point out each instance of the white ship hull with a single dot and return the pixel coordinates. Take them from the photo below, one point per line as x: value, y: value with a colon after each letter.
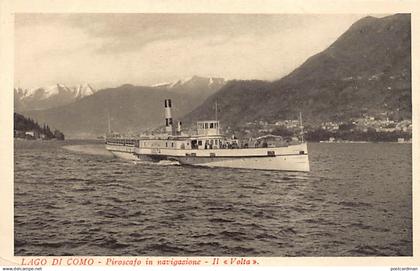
x: 284, y: 163
x: 290, y: 158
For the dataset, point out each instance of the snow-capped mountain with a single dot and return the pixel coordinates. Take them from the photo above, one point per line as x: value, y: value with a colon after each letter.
x: 51, y: 96
x: 195, y: 85
x: 84, y: 90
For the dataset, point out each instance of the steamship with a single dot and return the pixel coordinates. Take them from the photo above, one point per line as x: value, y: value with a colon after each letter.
x: 207, y: 147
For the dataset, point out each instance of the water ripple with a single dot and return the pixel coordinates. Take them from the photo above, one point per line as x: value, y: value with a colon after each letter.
x: 82, y: 201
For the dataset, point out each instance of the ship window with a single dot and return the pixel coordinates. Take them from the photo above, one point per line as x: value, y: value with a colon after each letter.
x: 166, y: 144
x: 200, y: 143
x: 271, y: 153
x: 206, y: 125
x: 211, y: 125
x: 172, y: 144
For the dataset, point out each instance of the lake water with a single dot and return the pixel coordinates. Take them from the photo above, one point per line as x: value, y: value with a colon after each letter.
x: 79, y: 200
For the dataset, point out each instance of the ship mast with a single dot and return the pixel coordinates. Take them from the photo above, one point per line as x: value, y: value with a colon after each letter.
x: 301, y: 127
x: 216, y: 109
x: 109, y: 124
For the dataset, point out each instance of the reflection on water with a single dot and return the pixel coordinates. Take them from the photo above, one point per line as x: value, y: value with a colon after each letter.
x: 79, y: 200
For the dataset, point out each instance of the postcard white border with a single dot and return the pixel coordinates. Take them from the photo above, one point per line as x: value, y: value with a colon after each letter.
x: 9, y: 7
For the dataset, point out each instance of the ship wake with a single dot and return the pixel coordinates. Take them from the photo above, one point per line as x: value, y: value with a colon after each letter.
x: 160, y: 163
x: 93, y: 149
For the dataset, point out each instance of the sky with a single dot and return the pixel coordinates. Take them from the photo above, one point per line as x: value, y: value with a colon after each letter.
x: 108, y: 50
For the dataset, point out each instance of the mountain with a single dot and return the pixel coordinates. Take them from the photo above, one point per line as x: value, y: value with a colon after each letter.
x: 84, y: 90
x: 130, y: 109
x: 198, y: 88
x: 48, y: 97
x: 366, y: 70
x: 28, y: 129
